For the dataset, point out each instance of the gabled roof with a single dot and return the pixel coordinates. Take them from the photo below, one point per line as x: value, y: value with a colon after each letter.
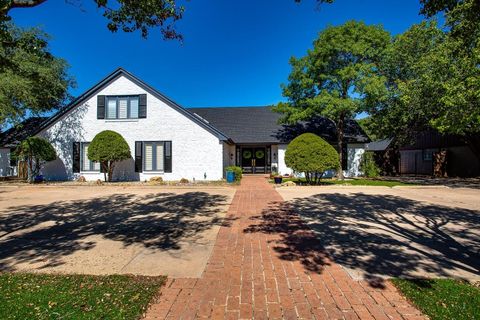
x: 261, y: 125
x: 16, y: 134
x: 114, y: 76
x: 232, y: 124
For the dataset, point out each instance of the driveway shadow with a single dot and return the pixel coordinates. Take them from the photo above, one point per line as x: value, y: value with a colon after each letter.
x: 377, y: 236
x: 34, y: 233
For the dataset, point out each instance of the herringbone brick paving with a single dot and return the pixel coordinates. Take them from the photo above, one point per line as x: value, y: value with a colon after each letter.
x: 266, y: 264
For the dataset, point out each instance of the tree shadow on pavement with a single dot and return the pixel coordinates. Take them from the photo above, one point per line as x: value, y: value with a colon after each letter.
x: 377, y: 236
x: 36, y: 233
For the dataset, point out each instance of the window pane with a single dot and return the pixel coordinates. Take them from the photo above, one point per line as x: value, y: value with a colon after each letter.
x: 133, y: 107
x: 112, y: 108
x: 148, y: 156
x: 168, y: 149
x: 159, y: 156
x: 96, y: 166
x: 122, y: 108
x: 86, y: 162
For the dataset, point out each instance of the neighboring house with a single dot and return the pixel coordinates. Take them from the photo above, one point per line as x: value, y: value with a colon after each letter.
x: 166, y: 139
x: 418, y: 157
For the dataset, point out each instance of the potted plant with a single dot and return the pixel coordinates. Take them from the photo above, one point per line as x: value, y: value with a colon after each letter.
x: 278, y: 179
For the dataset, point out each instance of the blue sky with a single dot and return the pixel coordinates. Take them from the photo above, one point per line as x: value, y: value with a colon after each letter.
x: 234, y: 53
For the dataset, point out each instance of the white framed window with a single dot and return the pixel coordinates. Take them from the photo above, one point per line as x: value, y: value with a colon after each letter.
x: 154, y: 156
x: 87, y: 164
x: 122, y: 107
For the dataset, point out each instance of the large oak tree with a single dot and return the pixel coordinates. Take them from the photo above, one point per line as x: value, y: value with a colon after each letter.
x: 32, y: 79
x: 338, y: 78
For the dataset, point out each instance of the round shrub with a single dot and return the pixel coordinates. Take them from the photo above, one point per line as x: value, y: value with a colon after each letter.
x: 107, y: 148
x: 310, y: 154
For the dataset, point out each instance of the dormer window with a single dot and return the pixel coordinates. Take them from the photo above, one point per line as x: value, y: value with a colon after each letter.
x: 122, y: 107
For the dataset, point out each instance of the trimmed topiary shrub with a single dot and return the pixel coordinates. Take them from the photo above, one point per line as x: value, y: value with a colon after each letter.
x: 108, y: 147
x: 237, y: 170
x: 310, y: 154
x: 36, y: 151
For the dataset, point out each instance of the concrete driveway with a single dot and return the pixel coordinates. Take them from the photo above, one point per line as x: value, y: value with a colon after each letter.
x: 394, y: 232
x: 110, y: 229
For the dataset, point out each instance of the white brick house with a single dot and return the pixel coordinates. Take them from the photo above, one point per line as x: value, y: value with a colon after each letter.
x: 164, y: 138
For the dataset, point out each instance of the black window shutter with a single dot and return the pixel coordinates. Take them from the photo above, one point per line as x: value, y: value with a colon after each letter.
x: 101, y: 107
x: 142, y: 106
x: 76, y: 157
x: 167, y: 154
x: 138, y: 156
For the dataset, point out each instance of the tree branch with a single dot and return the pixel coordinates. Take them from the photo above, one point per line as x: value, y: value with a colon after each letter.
x: 25, y: 3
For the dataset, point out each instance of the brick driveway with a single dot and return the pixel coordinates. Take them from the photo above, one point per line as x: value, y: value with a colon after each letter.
x: 267, y: 264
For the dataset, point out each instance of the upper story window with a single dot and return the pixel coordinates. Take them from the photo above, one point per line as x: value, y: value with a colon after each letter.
x: 122, y: 107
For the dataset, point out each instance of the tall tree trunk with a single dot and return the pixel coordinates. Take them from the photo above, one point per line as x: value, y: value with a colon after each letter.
x: 104, y: 166
x: 110, y: 170
x: 340, y: 134
x: 30, y: 170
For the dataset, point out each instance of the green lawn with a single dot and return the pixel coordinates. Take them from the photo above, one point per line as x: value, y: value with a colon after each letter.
x: 351, y: 182
x: 442, y: 298
x: 41, y: 296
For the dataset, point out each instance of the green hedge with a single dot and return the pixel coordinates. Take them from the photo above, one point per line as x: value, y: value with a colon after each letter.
x: 368, y: 165
x: 237, y: 171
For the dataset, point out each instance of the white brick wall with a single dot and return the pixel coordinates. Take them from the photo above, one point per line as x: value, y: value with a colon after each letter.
x: 195, y: 150
x: 354, y: 156
x: 282, y: 167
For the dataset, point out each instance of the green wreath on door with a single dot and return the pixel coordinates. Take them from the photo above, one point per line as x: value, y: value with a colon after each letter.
x: 247, y: 154
x: 259, y: 154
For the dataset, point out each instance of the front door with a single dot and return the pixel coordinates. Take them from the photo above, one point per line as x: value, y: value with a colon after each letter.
x: 253, y: 160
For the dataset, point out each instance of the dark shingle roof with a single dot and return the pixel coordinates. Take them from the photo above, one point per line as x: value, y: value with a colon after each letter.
x: 379, y: 145
x: 260, y: 125
x: 240, y: 124
x: 13, y: 136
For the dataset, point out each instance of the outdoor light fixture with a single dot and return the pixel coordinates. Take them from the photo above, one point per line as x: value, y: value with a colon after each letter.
x: 274, y: 156
x: 231, y: 156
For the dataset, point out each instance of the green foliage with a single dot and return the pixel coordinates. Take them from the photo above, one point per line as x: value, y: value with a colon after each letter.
x: 368, y: 165
x: 433, y: 80
x: 107, y: 148
x: 32, y: 80
x: 442, y: 298
x: 367, y: 126
x: 312, y: 155
x: 44, y: 296
x: 339, y: 77
x: 237, y: 170
x: 125, y: 15
x: 36, y: 151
